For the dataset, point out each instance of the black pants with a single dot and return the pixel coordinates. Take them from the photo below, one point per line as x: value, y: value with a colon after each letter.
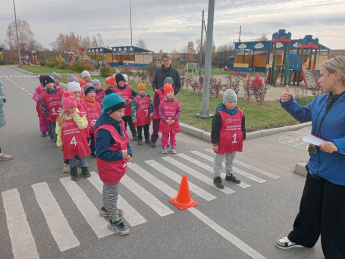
x: 322, y: 211
x: 91, y: 141
x: 128, y: 120
x: 146, y: 131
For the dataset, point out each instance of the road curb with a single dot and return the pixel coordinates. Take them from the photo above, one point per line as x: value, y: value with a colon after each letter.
x: 206, y: 136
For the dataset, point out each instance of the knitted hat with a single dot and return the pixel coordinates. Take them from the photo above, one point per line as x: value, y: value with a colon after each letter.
x: 89, y: 89
x: 229, y: 96
x: 110, y: 80
x: 41, y: 78
x: 73, y: 87
x: 141, y: 86
x: 112, y: 102
x: 82, y: 82
x: 55, y: 75
x: 85, y: 73
x: 119, y: 77
x: 167, y: 89
x: 68, y: 101
x: 72, y: 78
x: 47, y: 79
x: 96, y: 82
x: 125, y: 76
x: 168, y: 80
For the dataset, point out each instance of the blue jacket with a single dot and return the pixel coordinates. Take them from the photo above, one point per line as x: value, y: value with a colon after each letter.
x: 328, y: 124
x: 104, y: 139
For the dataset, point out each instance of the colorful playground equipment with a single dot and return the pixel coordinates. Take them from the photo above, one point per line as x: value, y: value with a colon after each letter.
x: 30, y: 58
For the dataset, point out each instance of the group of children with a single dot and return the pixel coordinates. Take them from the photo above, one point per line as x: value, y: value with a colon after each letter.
x: 92, y: 121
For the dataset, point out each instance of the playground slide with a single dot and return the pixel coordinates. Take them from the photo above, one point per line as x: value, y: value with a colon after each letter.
x: 310, y: 79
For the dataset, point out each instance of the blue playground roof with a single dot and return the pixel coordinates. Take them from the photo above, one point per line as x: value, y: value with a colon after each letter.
x: 264, y: 45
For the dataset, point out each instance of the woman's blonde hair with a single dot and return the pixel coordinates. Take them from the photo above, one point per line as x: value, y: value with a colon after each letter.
x: 336, y: 64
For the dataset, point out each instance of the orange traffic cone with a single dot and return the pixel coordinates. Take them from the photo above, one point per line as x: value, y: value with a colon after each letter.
x: 183, y: 199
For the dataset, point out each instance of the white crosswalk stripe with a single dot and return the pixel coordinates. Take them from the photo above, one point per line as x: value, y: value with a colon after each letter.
x: 207, y: 167
x: 250, y: 167
x: 23, y: 243
x: 190, y: 171
x: 169, y: 168
x: 237, y: 170
x: 59, y: 227
x: 86, y: 207
x: 131, y: 215
x: 177, y: 178
x: 146, y: 196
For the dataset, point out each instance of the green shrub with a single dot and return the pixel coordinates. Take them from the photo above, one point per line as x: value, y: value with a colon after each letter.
x: 78, y: 66
x: 105, y: 71
x: 42, y: 62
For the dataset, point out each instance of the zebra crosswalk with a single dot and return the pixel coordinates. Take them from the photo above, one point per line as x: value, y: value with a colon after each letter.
x: 18, y: 76
x: 162, y: 175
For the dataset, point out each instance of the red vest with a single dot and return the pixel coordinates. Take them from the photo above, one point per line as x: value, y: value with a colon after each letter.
x: 231, y: 136
x: 74, y: 140
x: 94, y: 111
x: 100, y: 96
x: 161, y: 98
x: 83, y: 112
x: 53, y: 103
x: 143, y: 111
x: 126, y: 94
x: 169, y: 111
x: 111, y: 172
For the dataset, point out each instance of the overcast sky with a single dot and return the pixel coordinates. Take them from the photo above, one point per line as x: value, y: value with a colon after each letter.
x: 169, y: 25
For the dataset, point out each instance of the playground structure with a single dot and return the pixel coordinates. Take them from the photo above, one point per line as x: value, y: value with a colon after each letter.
x: 279, y: 57
x: 122, y: 56
x: 30, y: 58
x: 81, y: 54
x: 69, y: 57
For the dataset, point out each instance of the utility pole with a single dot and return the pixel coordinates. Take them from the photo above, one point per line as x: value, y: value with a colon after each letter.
x: 15, y: 19
x: 130, y: 18
x: 205, y: 113
x: 202, y: 24
x: 239, y: 36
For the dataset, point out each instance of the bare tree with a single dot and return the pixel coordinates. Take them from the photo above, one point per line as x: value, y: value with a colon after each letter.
x: 174, y: 55
x: 141, y: 44
x: 72, y: 42
x: 263, y: 37
x: 190, y: 52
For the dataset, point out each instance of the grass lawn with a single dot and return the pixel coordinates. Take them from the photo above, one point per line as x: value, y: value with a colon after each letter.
x: 258, y: 117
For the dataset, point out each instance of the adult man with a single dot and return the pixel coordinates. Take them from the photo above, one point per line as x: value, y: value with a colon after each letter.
x: 166, y: 71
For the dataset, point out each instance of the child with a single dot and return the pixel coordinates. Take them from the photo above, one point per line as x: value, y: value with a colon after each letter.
x: 83, y: 83
x: 94, y: 110
x: 86, y: 76
x: 113, y: 154
x: 228, y: 133
x: 57, y: 78
x: 127, y: 94
x: 43, y: 122
x: 169, y: 112
x: 99, y: 91
x: 51, y: 103
x: 71, y: 136
x: 110, y: 82
x: 142, y: 113
x: 158, y: 97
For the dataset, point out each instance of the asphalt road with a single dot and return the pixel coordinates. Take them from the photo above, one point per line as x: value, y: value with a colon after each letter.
x: 43, y: 214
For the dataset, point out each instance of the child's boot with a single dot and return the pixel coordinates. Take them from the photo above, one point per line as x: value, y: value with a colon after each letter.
x: 153, y: 144
x: 147, y: 141
x: 85, y: 172
x: 74, y: 174
x: 217, y: 181
x: 140, y: 141
x: 230, y: 177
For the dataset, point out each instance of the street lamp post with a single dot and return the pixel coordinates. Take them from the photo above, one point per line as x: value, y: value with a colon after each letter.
x: 15, y: 20
x: 130, y: 18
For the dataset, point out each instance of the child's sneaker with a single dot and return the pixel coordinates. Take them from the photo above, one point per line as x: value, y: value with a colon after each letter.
x: 217, y: 181
x: 285, y: 243
x: 43, y: 134
x: 232, y: 178
x: 5, y: 157
x: 165, y: 150
x: 118, y: 227
x: 153, y: 144
x: 173, y: 150
x: 140, y: 141
x: 147, y: 141
x: 104, y: 212
x: 135, y: 137
x: 65, y: 168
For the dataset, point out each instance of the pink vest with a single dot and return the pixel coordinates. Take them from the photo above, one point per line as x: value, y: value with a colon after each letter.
x: 74, y: 140
x: 111, y: 172
x: 100, y: 96
x: 143, y: 111
x: 94, y: 111
x: 169, y: 111
x: 231, y: 136
x: 53, y: 103
x: 83, y: 112
x: 126, y: 94
x: 161, y: 98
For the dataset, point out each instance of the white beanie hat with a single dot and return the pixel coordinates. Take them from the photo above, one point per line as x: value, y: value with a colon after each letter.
x: 229, y: 96
x: 73, y: 87
x: 85, y: 73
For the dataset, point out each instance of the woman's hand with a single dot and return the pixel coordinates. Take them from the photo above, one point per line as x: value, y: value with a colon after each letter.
x: 285, y: 96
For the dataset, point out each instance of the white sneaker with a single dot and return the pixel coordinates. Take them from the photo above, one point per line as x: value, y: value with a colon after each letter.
x: 173, y: 150
x: 5, y: 157
x: 65, y: 168
x: 285, y: 243
x: 165, y: 150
